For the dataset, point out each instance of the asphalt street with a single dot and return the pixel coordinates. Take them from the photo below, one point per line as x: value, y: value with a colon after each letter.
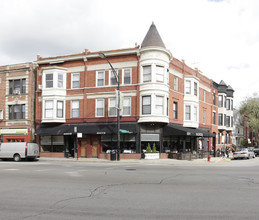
x: 53, y: 189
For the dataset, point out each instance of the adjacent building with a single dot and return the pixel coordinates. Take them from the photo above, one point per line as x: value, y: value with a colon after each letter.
x: 17, y: 103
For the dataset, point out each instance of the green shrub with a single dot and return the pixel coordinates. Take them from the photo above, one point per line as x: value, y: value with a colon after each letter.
x: 154, y: 148
x: 148, y: 149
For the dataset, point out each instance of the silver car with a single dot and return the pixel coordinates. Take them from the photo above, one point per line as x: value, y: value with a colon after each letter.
x: 243, y: 153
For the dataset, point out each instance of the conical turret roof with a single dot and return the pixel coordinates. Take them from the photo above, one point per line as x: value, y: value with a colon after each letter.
x: 152, y: 38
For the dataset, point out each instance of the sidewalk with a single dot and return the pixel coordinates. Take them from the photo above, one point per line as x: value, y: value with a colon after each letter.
x: 142, y: 161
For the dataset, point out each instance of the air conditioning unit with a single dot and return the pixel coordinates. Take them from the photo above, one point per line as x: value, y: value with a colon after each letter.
x: 40, y: 87
x: 16, y: 92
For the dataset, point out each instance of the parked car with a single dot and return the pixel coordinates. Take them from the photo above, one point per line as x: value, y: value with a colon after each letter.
x: 244, y: 153
x: 256, y: 151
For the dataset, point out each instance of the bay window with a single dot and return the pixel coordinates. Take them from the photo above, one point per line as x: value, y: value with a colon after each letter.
x: 159, y: 105
x: 187, y: 112
x: 147, y: 73
x: 49, y: 109
x: 146, y: 105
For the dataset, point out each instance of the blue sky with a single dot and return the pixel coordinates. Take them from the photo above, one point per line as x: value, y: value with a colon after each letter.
x: 219, y: 37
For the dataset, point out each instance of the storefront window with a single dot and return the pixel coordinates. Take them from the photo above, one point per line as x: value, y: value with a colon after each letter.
x: 52, y: 144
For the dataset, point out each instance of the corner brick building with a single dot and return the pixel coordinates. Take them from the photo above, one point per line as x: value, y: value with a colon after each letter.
x: 165, y: 104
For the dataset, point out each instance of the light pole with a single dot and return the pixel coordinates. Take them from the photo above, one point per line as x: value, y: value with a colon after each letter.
x: 117, y: 77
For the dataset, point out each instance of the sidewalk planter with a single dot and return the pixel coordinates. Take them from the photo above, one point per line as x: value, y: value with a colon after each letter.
x: 151, y: 156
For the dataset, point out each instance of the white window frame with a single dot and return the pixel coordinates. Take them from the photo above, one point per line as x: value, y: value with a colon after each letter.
x: 189, y: 113
x: 97, y: 78
x: 188, y: 87
x: 49, y: 87
x: 159, y: 107
x: 175, y: 110
x: 195, y: 113
x: 102, y: 101
x: 147, y: 74
x: 204, y: 95
x: 195, y: 89
x: 112, y: 112
x: 75, y: 81
x: 111, y: 75
x: 60, y: 81
x: 123, y: 76
x: 204, y: 117
x: 49, y: 109
x: 73, y: 104
x: 62, y: 109
x: 150, y: 104
x: 176, y: 83
x: 126, y: 104
x: 160, y: 75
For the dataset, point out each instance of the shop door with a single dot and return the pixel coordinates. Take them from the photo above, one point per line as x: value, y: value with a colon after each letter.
x: 95, y: 149
x: 83, y: 148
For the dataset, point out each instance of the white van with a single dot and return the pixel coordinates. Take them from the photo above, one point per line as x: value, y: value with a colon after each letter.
x: 19, y: 150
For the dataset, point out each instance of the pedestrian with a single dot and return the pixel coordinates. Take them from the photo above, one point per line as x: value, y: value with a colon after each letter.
x: 223, y: 152
x: 227, y: 152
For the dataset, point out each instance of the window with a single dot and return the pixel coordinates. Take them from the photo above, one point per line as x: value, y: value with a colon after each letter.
x: 60, y: 80
x: 228, y: 104
x: 175, y: 83
x: 159, y: 105
x: 48, y: 109
x: 232, y: 105
x: 1, y: 114
x: 60, y: 105
x: 75, y: 109
x: 188, y: 87
x: 112, y: 107
x: 175, y: 110
x: 195, y: 113
x: 17, y: 86
x: 159, y: 73
x: 49, y: 80
x: 100, y: 78
x: 100, y: 108
x: 147, y: 73
x: 113, y: 78
x: 16, y: 111
x: 204, y: 117
x: 126, y: 76
x: 75, y: 80
x: 126, y: 106
x: 225, y: 119
x: 214, y: 118
x: 214, y: 98
x: 187, y: 112
x: 195, y: 89
x: 228, y: 121
x: 204, y: 95
x: 146, y: 105
x: 220, y: 101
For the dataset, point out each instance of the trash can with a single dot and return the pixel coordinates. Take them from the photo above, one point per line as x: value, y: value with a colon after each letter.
x: 113, y: 155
